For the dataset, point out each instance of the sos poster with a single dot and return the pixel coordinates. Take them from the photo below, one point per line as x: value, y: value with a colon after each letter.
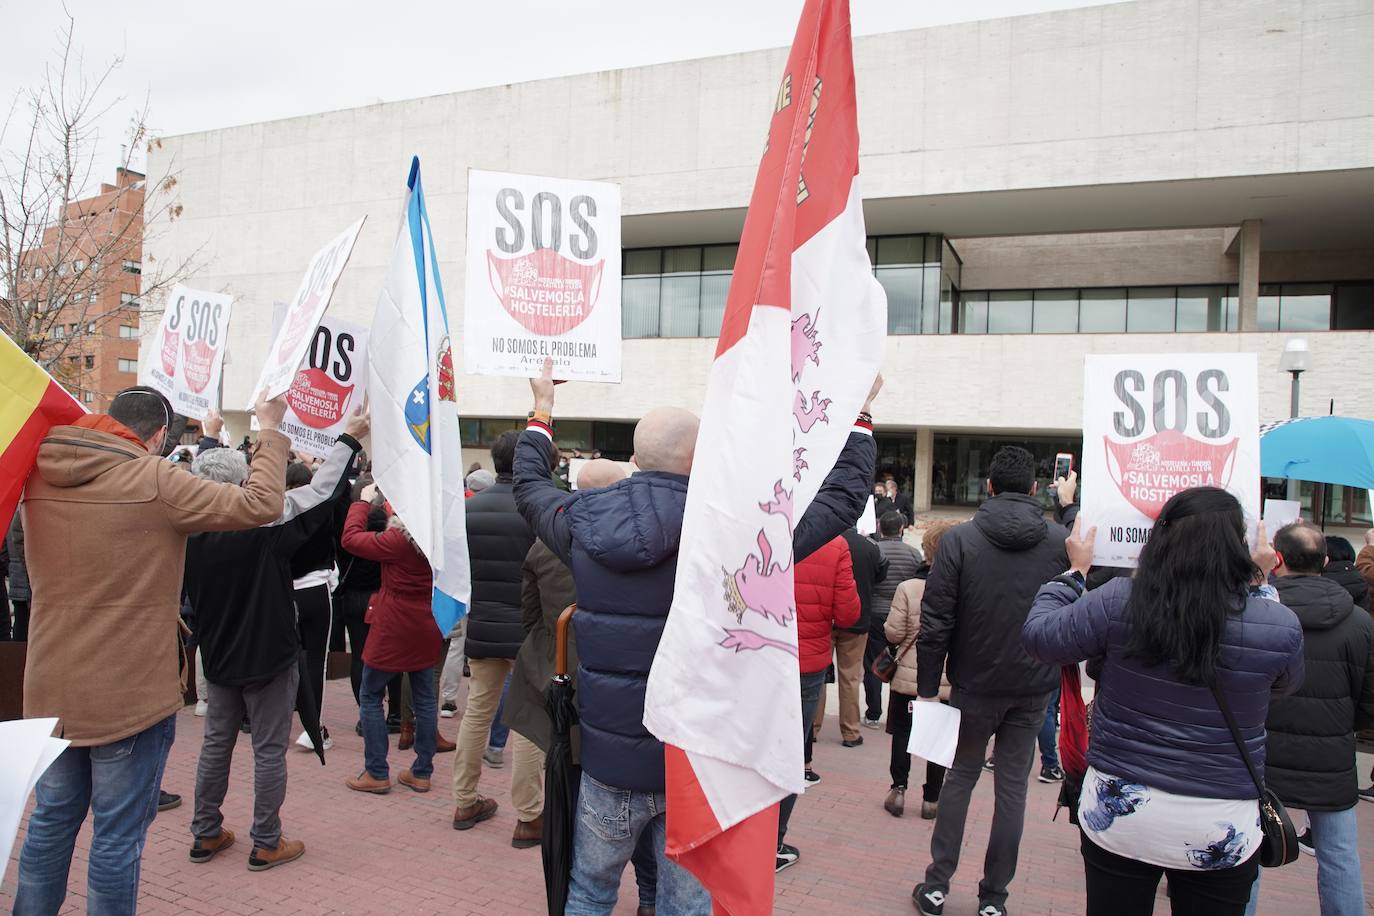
x: 303, y: 314
x: 1156, y: 424
x: 327, y: 389
x: 189, y: 350
x: 543, y: 277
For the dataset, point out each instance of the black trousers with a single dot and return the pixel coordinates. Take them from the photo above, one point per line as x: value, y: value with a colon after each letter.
x: 899, y: 727
x: 353, y: 612
x: 313, y: 616
x: 20, y: 633
x: 1118, y: 886
x: 873, y: 688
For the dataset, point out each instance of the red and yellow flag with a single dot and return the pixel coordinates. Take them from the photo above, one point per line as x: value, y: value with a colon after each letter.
x: 31, y: 403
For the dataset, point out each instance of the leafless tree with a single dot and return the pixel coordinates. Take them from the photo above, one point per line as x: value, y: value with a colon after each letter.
x: 70, y: 246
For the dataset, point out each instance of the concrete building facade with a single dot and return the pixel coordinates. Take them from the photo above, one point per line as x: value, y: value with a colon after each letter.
x: 1147, y: 176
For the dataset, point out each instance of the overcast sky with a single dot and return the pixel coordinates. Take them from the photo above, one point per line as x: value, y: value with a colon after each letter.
x: 208, y: 65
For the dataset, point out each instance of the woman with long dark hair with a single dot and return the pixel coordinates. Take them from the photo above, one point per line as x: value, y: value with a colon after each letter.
x: 1167, y: 792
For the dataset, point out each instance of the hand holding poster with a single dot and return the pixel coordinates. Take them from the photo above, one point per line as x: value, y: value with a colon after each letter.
x: 303, y: 314
x: 543, y: 277
x: 190, y: 346
x: 324, y: 393
x: 1157, y: 424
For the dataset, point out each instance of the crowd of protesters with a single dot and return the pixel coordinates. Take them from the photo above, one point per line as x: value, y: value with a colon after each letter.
x: 1217, y: 668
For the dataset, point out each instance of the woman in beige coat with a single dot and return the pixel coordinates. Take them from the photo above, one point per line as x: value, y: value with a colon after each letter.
x: 903, y: 625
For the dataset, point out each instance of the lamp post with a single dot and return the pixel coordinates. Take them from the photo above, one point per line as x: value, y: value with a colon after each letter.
x: 1296, y: 360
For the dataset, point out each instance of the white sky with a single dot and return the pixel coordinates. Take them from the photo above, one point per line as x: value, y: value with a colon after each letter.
x: 207, y: 65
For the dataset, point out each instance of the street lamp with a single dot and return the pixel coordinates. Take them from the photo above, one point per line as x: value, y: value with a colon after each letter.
x: 1296, y: 360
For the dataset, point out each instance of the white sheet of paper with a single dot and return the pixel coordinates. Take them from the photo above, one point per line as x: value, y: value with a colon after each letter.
x: 868, y: 522
x: 1280, y: 512
x: 934, y: 732
x: 27, y: 749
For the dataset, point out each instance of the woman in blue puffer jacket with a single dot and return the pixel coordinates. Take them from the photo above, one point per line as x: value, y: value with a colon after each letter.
x: 1167, y: 792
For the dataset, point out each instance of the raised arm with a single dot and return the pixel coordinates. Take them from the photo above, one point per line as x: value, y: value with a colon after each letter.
x: 539, y: 499
x: 382, y: 546
x: 842, y: 497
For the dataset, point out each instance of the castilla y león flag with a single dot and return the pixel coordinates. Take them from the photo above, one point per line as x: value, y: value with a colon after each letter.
x: 800, y: 344
x: 31, y: 403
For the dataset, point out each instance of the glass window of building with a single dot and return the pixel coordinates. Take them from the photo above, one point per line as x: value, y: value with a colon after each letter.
x: 680, y: 313
x: 973, y: 313
x: 1354, y: 308
x: 960, y: 465
x: 717, y: 265
x: 1102, y: 311
x: 1150, y: 309
x: 1201, y: 308
x: 1305, y: 307
x: 1056, y: 311
x: 1268, y: 307
x: 1009, y: 312
x: 903, y: 287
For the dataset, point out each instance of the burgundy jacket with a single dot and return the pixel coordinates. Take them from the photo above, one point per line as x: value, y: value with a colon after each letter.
x: 404, y: 636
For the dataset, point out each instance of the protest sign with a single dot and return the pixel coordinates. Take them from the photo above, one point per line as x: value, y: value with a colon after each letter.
x: 543, y: 277
x: 327, y: 389
x: 190, y: 346
x: 303, y: 314
x: 1159, y: 423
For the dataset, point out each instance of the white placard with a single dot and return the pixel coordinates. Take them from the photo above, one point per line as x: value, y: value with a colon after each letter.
x: 934, y: 732
x: 1155, y: 424
x: 543, y: 277
x: 303, y: 314
x: 190, y: 344
x: 27, y: 749
x: 1280, y: 513
x: 868, y: 521
x: 324, y: 392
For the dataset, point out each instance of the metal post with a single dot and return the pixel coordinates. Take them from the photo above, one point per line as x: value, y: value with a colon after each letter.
x: 1294, y: 487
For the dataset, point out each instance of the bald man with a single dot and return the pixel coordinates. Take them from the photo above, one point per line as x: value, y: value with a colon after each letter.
x: 621, y: 543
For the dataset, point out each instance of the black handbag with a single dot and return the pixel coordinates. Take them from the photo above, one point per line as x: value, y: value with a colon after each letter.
x: 885, y: 665
x: 1280, y: 843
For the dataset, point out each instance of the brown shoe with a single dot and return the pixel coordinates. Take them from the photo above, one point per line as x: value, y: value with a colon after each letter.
x: 366, y: 782
x: 407, y: 739
x: 442, y: 745
x: 286, y: 851
x: 528, y: 833
x: 895, y: 803
x: 645, y: 911
x: 413, y: 782
x: 206, y: 848
x: 465, y: 818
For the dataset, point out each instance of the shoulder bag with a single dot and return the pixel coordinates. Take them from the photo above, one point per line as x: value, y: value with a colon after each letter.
x: 1280, y: 843
x: 885, y: 665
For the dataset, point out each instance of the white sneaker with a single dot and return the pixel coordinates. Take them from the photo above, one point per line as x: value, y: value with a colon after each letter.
x: 495, y: 757
x: 304, y: 742
x: 328, y: 742
x: 202, y: 708
x: 448, y: 710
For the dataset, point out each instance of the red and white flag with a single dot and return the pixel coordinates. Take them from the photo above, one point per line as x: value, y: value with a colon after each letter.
x: 800, y: 344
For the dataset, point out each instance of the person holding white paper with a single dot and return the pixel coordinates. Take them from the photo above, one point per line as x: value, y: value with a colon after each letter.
x: 1168, y: 791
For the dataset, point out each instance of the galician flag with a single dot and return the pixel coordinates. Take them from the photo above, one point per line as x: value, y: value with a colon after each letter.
x: 31, y: 403
x: 416, y: 450
x: 800, y: 345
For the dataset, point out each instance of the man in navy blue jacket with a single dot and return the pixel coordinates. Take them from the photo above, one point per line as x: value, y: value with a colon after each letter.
x: 621, y: 543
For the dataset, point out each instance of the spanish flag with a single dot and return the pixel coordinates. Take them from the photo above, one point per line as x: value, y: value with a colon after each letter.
x: 31, y: 403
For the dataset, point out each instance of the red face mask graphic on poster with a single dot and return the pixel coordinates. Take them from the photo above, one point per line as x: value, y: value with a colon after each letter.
x: 548, y: 293
x: 1150, y: 471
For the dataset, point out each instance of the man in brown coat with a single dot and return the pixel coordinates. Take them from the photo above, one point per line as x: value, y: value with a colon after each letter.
x: 106, y: 522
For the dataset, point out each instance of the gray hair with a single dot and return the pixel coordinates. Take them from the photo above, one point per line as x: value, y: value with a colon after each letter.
x: 480, y: 479
x: 225, y: 465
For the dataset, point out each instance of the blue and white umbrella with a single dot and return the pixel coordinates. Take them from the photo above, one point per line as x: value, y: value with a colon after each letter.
x: 1336, y: 450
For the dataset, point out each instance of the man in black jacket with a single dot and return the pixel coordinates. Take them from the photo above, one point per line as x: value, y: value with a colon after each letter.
x: 239, y: 583
x: 977, y: 597
x: 1310, y: 754
x: 850, y: 644
x: 901, y: 563
x: 498, y: 542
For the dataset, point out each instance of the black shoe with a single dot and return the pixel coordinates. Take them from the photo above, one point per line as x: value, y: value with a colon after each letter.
x: 855, y: 743
x: 929, y: 900
x: 393, y: 724
x: 1051, y: 774
x: 787, y: 857
x: 245, y: 726
x: 1305, y: 842
x: 811, y: 776
x: 988, y: 908
x: 1367, y: 794
x: 358, y: 729
x: 166, y: 801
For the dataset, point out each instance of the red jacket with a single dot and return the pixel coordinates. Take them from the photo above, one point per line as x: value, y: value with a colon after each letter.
x: 826, y: 598
x: 404, y: 636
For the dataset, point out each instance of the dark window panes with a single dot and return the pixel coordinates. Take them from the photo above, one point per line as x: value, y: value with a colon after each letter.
x: 930, y: 299
x: 614, y: 440
x: 639, y: 306
x: 1269, y: 307
x: 468, y: 432
x: 1102, y: 311
x: 1009, y: 312
x: 933, y: 249
x: 1201, y: 308
x: 1232, y: 308
x: 901, y: 250
x: 872, y: 245
x: 1305, y: 307
x: 681, y: 260
x: 1354, y: 307
x: 903, y: 286
x: 973, y: 313
x: 681, y: 314
x: 573, y: 434
x: 639, y: 261
x: 719, y: 257
x: 714, y: 288
x: 1150, y: 309
x: 1056, y: 311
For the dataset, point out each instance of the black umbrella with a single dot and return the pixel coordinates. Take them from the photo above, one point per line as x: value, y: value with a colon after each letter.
x: 306, y: 708
x: 561, y: 776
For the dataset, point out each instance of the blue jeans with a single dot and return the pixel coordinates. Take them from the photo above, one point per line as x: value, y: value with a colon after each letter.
x: 119, y: 784
x: 376, y: 742
x: 610, y: 822
x: 811, y: 687
x: 499, y: 732
x: 1049, y: 734
x: 1340, y: 891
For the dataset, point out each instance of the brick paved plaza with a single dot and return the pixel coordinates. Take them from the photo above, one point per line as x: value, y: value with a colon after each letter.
x: 398, y: 853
